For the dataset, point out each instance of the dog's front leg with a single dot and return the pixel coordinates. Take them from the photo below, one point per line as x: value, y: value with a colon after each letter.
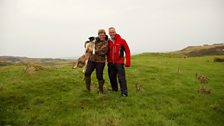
x: 94, y: 50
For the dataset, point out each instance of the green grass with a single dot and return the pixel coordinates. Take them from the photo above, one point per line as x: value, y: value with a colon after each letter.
x: 57, y: 96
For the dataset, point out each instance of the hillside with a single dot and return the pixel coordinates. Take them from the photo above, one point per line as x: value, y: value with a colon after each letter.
x: 164, y: 90
x: 9, y: 60
x: 215, y: 49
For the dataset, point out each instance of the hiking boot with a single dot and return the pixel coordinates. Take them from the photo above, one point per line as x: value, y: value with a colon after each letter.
x: 101, y: 83
x: 88, y: 82
x: 124, y: 95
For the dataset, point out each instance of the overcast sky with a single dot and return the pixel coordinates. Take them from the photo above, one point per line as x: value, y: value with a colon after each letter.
x: 59, y: 28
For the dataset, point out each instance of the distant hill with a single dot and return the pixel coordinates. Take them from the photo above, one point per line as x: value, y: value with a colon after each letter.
x: 191, y: 51
x: 215, y: 49
x: 7, y: 60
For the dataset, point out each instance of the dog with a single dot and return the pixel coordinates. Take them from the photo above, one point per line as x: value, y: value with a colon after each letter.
x: 89, y: 49
x: 90, y: 45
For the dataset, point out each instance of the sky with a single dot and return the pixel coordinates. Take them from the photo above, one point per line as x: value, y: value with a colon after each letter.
x: 59, y: 28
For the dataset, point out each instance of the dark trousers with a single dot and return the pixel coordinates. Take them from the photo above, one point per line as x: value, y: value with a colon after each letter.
x: 114, y: 71
x: 95, y: 65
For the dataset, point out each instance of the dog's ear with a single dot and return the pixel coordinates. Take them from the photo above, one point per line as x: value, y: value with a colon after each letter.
x: 106, y: 38
x: 91, y: 38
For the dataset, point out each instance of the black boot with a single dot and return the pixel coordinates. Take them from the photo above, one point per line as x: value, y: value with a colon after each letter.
x: 101, y: 83
x: 88, y: 82
x: 123, y: 85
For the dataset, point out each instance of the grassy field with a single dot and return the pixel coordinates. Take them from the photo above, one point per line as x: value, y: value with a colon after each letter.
x: 162, y: 92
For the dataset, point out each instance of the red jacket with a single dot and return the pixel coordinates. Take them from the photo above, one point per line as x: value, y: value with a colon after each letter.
x: 117, y: 49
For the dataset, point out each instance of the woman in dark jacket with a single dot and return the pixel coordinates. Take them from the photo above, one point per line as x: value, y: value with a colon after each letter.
x: 97, y: 61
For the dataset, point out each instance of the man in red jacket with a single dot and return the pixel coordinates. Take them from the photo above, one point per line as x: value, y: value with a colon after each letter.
x: 115, y: 59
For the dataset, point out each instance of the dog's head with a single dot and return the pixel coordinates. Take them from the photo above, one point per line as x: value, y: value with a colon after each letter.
x: 92, y: 39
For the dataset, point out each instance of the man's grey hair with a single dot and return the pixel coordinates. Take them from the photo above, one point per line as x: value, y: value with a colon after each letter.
x: 112, y: 28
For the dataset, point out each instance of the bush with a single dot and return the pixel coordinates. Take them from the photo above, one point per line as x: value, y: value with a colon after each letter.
x: 218, y: 59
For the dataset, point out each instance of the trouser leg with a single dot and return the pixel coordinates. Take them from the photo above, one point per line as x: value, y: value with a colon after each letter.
x: 89, y: 69
x: 99, y: 75
x: 101, y: 83
x: 122, y: 79
x: 113, y: 76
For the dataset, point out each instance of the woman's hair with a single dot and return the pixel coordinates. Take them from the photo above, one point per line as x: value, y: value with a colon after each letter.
x: 101, y: 31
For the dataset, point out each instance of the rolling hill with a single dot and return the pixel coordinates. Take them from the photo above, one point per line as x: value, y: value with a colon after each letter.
x: 205, y: 50
x: 9, y: 60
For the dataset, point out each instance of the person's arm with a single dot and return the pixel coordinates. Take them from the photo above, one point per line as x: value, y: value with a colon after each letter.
x: 127, y: 54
